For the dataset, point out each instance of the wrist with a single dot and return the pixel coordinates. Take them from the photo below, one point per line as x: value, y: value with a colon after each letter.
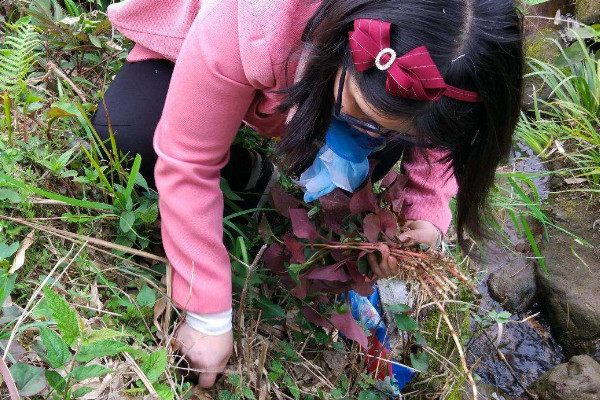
x: 210, y: 324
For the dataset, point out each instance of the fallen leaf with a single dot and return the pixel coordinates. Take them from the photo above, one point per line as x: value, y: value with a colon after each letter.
x: 19, y: 259
x: 574, y: 181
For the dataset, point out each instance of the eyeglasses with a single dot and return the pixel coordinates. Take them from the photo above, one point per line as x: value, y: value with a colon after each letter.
x: 369, y: 126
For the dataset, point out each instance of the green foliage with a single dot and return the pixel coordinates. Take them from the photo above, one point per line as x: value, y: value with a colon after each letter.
x: 67, y: 320
x: 57, y: 351
x: 103, y: 348
x: 18, y: 54
x: 30, y: 380
x: 154, y: 364
x: 90, y: 371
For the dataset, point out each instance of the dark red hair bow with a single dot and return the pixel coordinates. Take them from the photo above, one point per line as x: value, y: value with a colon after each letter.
x: 413, y: 75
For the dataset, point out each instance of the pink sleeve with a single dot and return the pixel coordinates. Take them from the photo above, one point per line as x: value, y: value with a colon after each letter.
x: 208, y: 97
x: 429, y: 188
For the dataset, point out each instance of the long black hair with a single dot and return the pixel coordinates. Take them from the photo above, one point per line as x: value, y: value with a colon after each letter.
x: 476, y: 45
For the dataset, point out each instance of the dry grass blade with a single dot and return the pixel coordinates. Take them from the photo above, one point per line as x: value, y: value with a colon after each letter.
x: 19, y: 259
x: 141, y: 375
x: 463, y: 360
x: 84, y: 238
x: 8, y: 379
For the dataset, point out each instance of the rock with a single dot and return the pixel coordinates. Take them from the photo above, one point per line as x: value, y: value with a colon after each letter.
x: 392, y: 292
x: 484, y: 391
x: 539, y: 46
x: 588, y: 11
x: 542, y: 15
x: 513, y: 285
x: 569, y: 291
x: 579, y: 379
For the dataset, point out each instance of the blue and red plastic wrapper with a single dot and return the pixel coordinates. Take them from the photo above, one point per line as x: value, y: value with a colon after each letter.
x: 391, y: 376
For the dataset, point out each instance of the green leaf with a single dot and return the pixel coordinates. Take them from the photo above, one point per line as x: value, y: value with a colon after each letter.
x: 10, y: 195
x: 57, y: 351
x: 406, y: 323
x: 398, y: 308
x: 420, y: 339
x: 30, y: 380
x: 226, y: 395
x: 7, y: 283
x: 235, y: 379
x: 56, y: 381
x: 102, y: 334
x: 270, y: 309
x: 419, y: 362
x: 367, y: 395
x: 165, y: 392
x: 155, y: 364
x: 101, y: 349
x: 227, y: 192
x: 126, y: 221
x: 248, y: 393
x: 146, y: 297
x: 7, y: 251
x: 82, y: 391
x: 90, y: 371
x: 66, y: 318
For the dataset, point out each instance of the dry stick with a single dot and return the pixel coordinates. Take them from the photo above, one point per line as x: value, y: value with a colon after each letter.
x: 52, y: 67
x: 240, y: 316
x: 89, y: 239
x: 509, y: 367
x: 459, y: 348
x: 264, y: 348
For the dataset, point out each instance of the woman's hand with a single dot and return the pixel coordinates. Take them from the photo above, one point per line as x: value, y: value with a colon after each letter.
x: 207, y: 353
x: 421, y: 232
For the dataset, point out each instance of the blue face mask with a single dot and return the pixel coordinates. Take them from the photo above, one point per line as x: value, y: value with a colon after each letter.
x: 342, y: 162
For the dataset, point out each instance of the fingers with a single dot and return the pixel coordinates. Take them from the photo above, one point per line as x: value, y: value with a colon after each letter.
x: 207, y: 379
x: 374, y: 265
x: 386, y: 268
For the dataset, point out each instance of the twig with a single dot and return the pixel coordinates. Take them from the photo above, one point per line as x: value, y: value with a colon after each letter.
x: 52, y: 67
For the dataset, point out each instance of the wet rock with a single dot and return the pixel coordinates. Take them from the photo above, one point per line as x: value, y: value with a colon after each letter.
x: 588, y: 11
x: 579, y: 379
x: 569, y: 290
x: 513, y: 285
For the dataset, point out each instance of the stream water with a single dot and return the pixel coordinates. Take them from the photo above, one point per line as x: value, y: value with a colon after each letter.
x: 528, y: 347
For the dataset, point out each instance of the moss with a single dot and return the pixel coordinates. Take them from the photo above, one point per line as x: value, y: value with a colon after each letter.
x: 588, y: 11
x: 541, y: 46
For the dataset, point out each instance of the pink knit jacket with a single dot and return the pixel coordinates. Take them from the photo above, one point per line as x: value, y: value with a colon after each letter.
x: 230, y: 57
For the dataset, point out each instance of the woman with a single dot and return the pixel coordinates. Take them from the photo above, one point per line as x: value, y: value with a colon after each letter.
x: 238, y: 60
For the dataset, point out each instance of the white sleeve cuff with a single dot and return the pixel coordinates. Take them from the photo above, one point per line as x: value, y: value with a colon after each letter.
x: 210, y: 324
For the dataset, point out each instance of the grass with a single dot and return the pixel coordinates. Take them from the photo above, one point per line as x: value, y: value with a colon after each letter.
x: 92, y: 283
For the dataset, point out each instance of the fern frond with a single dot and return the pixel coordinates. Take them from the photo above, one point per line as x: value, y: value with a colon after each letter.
x: 18, y: 54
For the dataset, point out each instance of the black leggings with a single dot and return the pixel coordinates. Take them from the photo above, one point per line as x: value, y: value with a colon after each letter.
x: 135, y: 100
